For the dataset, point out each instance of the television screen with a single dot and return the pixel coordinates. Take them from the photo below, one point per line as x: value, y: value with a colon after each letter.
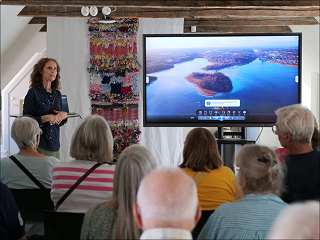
x: 219, y: 79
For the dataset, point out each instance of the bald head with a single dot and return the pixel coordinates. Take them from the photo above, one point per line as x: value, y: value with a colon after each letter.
x: 167, y: 195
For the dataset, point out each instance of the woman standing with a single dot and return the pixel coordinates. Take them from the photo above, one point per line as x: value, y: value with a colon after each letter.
x: 43, y: 102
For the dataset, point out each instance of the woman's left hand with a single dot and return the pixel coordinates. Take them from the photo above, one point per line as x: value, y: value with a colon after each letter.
x: 60, y: 116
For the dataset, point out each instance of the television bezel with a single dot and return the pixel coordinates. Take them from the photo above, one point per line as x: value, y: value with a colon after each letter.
x: 208, y: 123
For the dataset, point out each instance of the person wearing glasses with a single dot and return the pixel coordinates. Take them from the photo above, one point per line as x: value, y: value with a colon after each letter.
x: 282, y: 152
x: 295, y: 128
x: 261, y: 177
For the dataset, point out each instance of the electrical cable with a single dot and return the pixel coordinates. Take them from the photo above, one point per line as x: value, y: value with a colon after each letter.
x: 259, y: 134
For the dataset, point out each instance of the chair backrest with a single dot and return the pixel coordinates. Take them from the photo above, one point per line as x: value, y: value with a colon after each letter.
x: 62, y: 225
x: 33, y: 202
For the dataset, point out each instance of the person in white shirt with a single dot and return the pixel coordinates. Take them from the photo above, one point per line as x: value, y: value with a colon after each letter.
x: 167, y: 205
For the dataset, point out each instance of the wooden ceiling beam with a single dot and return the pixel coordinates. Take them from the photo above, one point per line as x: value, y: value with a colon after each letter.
x: 38, y: 20
x: 168, y: 3
x: 239, y: 29
x: 44, y: 28
x: 123, y: 12
x: 250, y: 22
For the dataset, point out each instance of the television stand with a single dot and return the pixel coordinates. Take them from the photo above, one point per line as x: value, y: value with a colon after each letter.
x: 227, y: 145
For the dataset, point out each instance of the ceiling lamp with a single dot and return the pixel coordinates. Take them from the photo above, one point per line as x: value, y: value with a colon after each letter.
x: 93, y: 11
x: 106, y: 11
x: 85, y: 11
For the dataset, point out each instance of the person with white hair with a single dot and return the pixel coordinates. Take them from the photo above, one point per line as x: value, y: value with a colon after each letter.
x: 298, y: 221
x: 25, y: 131
x: 295, y: 127
x: 167, y: 205
x: 91, y: 143
x: 260, y: 175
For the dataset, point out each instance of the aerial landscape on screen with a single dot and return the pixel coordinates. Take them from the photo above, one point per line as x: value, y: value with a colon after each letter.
x: 193, y: 70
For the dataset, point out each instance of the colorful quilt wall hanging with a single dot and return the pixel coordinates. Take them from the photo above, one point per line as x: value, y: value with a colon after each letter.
x: 114, y: 76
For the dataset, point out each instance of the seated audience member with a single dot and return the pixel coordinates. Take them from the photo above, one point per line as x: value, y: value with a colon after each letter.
x: 11, y: 223
x: 25, y: 131
x: 261, y: 177
x: 167, y: 205
x: 91, y: 143
x: 295, y: 127
x: 315, y: 143
x: 201, y: 157
x: 114, y: 219
x: 298, y: 221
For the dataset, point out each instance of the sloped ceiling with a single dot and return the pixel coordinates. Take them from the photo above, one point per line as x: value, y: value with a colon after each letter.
x: 19, y: 41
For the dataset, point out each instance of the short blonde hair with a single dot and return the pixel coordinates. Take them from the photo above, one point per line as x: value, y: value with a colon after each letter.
x: 261, y: 169
x: 92, y: 140
x: 24, y: 131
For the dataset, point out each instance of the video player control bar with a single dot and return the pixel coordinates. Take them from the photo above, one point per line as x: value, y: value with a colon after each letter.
x: 221, y: 118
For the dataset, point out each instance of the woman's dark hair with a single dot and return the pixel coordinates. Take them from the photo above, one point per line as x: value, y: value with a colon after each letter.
x: 36, y: 75
x: 200, y: 152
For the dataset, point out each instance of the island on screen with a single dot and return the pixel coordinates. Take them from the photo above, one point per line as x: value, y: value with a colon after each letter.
x: 219, y: 79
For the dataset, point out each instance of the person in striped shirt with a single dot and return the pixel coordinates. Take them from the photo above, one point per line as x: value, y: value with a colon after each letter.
x: 91, y: 143
x: 260, y: 175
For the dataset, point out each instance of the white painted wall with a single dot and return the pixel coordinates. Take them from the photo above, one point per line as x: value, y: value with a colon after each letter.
x: 19, y: 42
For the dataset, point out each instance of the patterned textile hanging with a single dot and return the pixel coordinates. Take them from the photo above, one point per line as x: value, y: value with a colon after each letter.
x: 114, y: 76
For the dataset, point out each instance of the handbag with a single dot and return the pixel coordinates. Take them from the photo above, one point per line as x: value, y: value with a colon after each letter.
x: 36, y: 181
x: 74, y: 186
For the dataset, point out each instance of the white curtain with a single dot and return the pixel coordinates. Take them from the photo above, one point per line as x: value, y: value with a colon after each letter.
x: 68, y: 43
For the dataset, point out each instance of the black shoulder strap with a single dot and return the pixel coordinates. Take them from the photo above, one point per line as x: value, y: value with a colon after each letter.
x: 54, y: 103
x: 26, y: 172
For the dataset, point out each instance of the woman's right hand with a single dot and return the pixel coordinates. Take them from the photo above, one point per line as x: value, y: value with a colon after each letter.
x: 53, y: 119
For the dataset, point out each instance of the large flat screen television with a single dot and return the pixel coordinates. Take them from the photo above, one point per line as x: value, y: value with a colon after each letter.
x: 219, y: 79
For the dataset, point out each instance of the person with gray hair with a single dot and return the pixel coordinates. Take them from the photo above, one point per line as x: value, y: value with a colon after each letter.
x: 114, y: 219
x: 297, y: 221
x: 260, y: 175
x: 25, y: 131
x: 167, y: 205
x: 91, y: 143
x: 295, y: 127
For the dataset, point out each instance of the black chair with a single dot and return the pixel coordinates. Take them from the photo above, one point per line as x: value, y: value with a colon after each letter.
x: 62, y: 225
x: 33, y: 202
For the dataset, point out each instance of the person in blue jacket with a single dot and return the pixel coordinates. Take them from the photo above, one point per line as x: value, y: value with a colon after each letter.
x: 39, y: 103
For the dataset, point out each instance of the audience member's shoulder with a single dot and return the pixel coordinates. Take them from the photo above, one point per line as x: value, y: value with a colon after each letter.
x: 226, y: 170
x: 53, y: 159
x: 5, y: 160
x: 109, y: 166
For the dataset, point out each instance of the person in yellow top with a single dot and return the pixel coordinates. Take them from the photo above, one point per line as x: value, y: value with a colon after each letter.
x: 216, y: 184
